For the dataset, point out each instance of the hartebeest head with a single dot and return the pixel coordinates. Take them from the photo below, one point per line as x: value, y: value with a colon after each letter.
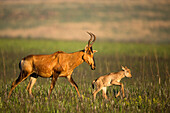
x: 127, y: 71
x: 88, y: 52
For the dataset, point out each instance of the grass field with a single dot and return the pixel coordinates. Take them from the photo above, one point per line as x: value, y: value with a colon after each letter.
x: 132, y: 33
x: 147, y: 91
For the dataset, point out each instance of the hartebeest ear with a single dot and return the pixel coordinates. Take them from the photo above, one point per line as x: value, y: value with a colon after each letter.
x: 94, y: 51
x: 123, y: 68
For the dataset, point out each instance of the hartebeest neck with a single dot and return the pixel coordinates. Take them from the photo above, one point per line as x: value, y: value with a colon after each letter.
x: 76, y: 59
x: 122, y: 73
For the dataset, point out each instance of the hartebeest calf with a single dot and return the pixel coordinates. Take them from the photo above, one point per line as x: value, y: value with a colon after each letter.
x: 58, y: 64
x: 111, y: 79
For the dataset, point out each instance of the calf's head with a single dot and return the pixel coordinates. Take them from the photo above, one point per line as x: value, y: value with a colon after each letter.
x: 127, y: 71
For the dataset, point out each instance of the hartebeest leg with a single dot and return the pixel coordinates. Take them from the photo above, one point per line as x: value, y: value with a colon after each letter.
x: 104, y: 92
x: 122, y: 88
x: 95, y: 92
x: 22, y: 76
x: 30, y: 85
x: 70, y: 79
x: 53, y: 81
x: 118, y: 94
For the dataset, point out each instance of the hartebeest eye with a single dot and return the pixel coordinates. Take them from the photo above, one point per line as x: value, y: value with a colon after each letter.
x: 128, y: 71
x: 90, y: 53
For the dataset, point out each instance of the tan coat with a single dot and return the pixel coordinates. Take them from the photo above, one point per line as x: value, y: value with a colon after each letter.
x: 110, y: 79
x: 58, y: 64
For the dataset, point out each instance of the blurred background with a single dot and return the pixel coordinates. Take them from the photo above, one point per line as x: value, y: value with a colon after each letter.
x: 113, y: 20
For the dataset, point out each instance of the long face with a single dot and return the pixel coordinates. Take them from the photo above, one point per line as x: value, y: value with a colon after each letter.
x: 88, y: 52
x: 89, y: 58
x: 127, y: 72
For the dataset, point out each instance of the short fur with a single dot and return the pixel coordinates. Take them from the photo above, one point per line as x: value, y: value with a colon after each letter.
x: 58, y: 64
x: 110, y: 79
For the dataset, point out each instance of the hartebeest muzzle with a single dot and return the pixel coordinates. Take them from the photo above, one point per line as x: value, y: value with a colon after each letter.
x: 93, y: 67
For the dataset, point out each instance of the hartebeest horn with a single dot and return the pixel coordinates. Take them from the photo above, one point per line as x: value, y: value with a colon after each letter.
x: 93, y: 39
x: 91, y: 35
x: 89, y: 39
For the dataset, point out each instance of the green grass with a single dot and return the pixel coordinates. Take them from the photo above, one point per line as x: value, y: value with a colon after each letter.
x: 143, y: 93
x: 30, y: 46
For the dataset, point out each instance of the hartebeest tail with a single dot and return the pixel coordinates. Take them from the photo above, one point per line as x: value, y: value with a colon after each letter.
x: 58, y: 64
x: 110, y: 79
x: 93, y: 83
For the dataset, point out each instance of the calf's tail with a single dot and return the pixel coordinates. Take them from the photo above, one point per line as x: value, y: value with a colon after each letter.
x: 93, y: 83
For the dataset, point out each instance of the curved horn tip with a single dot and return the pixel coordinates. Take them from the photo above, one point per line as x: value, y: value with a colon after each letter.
x: 94, y: 35
x: 89, y: 33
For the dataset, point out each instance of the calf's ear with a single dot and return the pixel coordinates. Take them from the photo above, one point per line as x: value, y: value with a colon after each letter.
x: 123, y: 68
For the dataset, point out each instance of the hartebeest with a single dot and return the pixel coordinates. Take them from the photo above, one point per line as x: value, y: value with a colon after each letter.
x: 110, y: 79
x: 58, y: 64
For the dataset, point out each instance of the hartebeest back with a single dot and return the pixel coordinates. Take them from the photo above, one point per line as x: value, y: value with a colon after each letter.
x: 59, y: 64
x: 110, y: 79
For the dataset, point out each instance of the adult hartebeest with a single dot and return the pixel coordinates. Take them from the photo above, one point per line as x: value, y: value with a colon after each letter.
x: 58, y: 64
x: 111, y: 79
